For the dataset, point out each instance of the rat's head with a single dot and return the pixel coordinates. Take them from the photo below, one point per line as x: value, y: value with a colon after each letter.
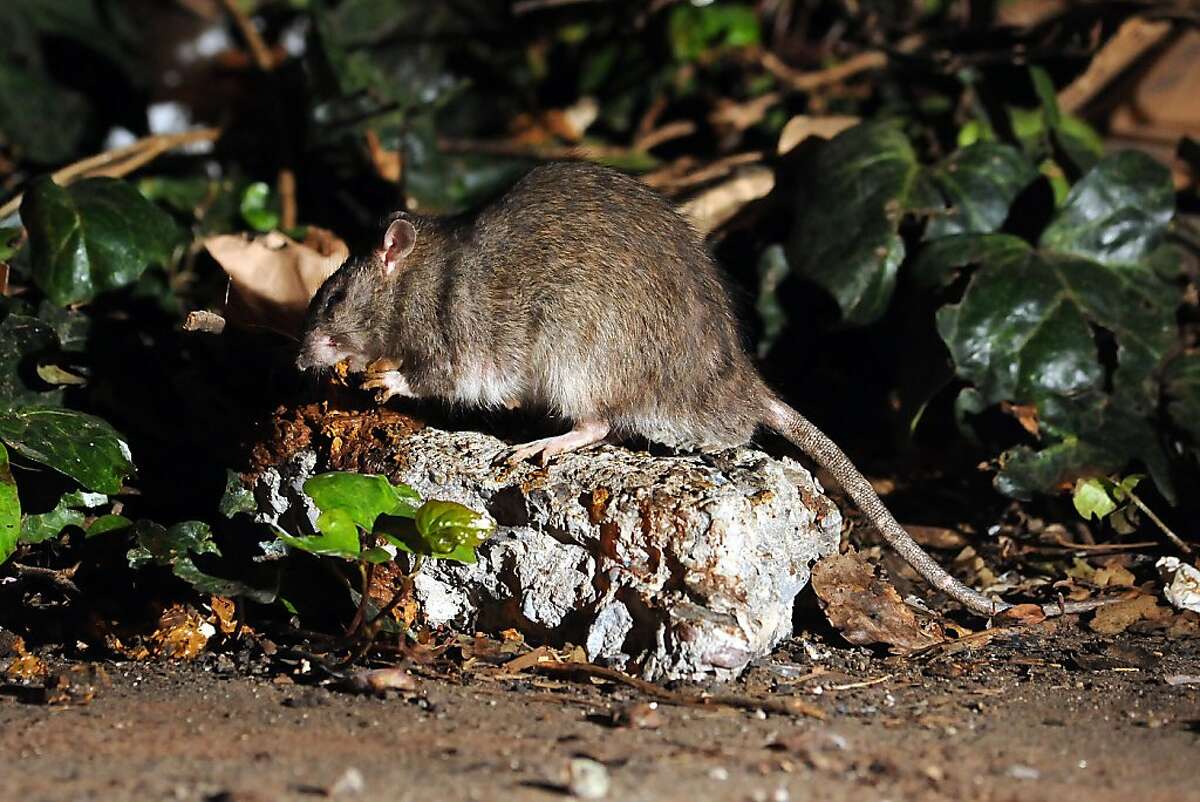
x: 349, y: 314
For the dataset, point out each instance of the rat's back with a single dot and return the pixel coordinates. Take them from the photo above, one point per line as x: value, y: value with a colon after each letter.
x: 603, y: 298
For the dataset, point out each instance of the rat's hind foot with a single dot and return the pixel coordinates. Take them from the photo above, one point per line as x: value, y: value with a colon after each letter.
x: 585, y: 433
x: 387, y: 384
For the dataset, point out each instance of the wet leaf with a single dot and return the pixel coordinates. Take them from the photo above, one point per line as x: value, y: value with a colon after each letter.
x: 236, y: 498
x: 70, y: 511
x: 360, y: 498
x: 258, y: 208
x: 447, y: 526
x: 22, y: 340
x: 847, y: 239
x: 940, y: 259
x: 95, y: 235
x: 107, y: 523
x: 1117, y: 213
x: 10, y: 509
x: 173, y: 547
x: 1091, y: 499
x: 979, y: 184
x: 86, y: 448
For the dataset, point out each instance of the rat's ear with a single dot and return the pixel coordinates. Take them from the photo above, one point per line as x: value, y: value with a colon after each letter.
x: 398, y: 242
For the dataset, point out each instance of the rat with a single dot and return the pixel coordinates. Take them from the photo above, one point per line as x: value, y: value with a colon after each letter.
x: 583, y: 292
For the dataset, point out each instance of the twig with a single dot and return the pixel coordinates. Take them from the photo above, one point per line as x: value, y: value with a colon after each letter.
x: 808, y: 81
x: 864, y: 684
x: 258, y: 48
x: 1171, y: 536
x: 61, y: 578
x: 672, y: 130
x: 789, y: 706
x: 1132, y: 39
x: 121, y: 161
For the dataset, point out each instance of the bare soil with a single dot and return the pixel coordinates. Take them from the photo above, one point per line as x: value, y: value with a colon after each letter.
x: 1054, y: 713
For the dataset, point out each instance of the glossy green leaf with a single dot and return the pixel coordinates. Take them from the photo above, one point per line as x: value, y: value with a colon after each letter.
x: 96, y: 235
x: 448, y: 524
x: 258, y: 207
x: 10, y: 509
x: 361, y: 497
x: 1025, y: 472
x: 107, y: 523
x: 338, y: 537
x: 84, y: 447
x: 773, y: 268
x: 979, y: 184
x: 173, y: 547
x: 71, y: 510
x: 1117, y: 213
x: 236, y: 498
x: 940, y: 259
x: 847, y: 239
x: 10, y: 239
x: 22, y: 340
x: 1091, y: 498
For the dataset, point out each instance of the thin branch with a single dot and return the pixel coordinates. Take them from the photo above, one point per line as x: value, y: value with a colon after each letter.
x: 1171, y: 536
x: 808, y: 81
x: 1128, y: 44
x: 258, y: 48
x: 121, y: 161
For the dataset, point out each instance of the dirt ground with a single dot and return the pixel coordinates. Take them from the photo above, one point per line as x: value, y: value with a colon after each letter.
x: 1051, y: 713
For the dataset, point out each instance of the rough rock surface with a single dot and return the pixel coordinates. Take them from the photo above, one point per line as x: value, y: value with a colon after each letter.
x: 666, y: 566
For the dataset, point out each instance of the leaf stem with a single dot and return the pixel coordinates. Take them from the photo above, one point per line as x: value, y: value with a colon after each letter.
x: 1174, y: 538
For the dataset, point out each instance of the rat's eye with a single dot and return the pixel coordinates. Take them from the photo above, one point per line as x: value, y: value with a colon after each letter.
x: 335, y: 298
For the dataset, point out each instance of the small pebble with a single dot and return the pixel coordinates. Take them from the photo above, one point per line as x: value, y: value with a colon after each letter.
x: 588, y: 778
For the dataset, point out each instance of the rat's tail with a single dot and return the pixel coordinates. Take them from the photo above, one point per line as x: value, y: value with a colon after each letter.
x: 813, y: 442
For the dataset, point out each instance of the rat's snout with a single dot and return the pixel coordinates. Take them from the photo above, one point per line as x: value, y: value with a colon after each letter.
x: 318, y: 351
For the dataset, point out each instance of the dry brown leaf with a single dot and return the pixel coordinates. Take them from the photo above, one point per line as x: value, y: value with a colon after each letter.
x: 864, y: 608
x: 1021, y: 615
x: 1026, y: 415
x: 181, y: 634
x: 717, y: 205
x: 802, y: 126
x: 26, y: 668
x: 273, y: 277
x: 1114, y: 618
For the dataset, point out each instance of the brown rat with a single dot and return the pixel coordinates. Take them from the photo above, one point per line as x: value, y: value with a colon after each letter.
x: 584, y: 292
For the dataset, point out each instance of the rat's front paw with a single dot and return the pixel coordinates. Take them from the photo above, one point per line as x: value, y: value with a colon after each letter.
x: 387, y: 384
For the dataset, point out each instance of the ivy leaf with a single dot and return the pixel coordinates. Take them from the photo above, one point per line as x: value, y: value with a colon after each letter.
x: 847, y: 240
x: 258, y: 208
x: 338, y: 537
x: 447, y: 525
x: 96, y: 235
x: 236, y: 498
x: 360, y: 497
x: 940, y: 259
x: 107, y: 523
x: 1091, y: 499
x: 22, y: 340
x: 979, y: 184
x: 173, y: 547
x: 10, y: 509
x: 1117, y: 213
x: 70, y: 511
x: 81, y: 446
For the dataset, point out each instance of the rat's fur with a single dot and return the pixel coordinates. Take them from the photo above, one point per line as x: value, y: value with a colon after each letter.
x: 584, y: 292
